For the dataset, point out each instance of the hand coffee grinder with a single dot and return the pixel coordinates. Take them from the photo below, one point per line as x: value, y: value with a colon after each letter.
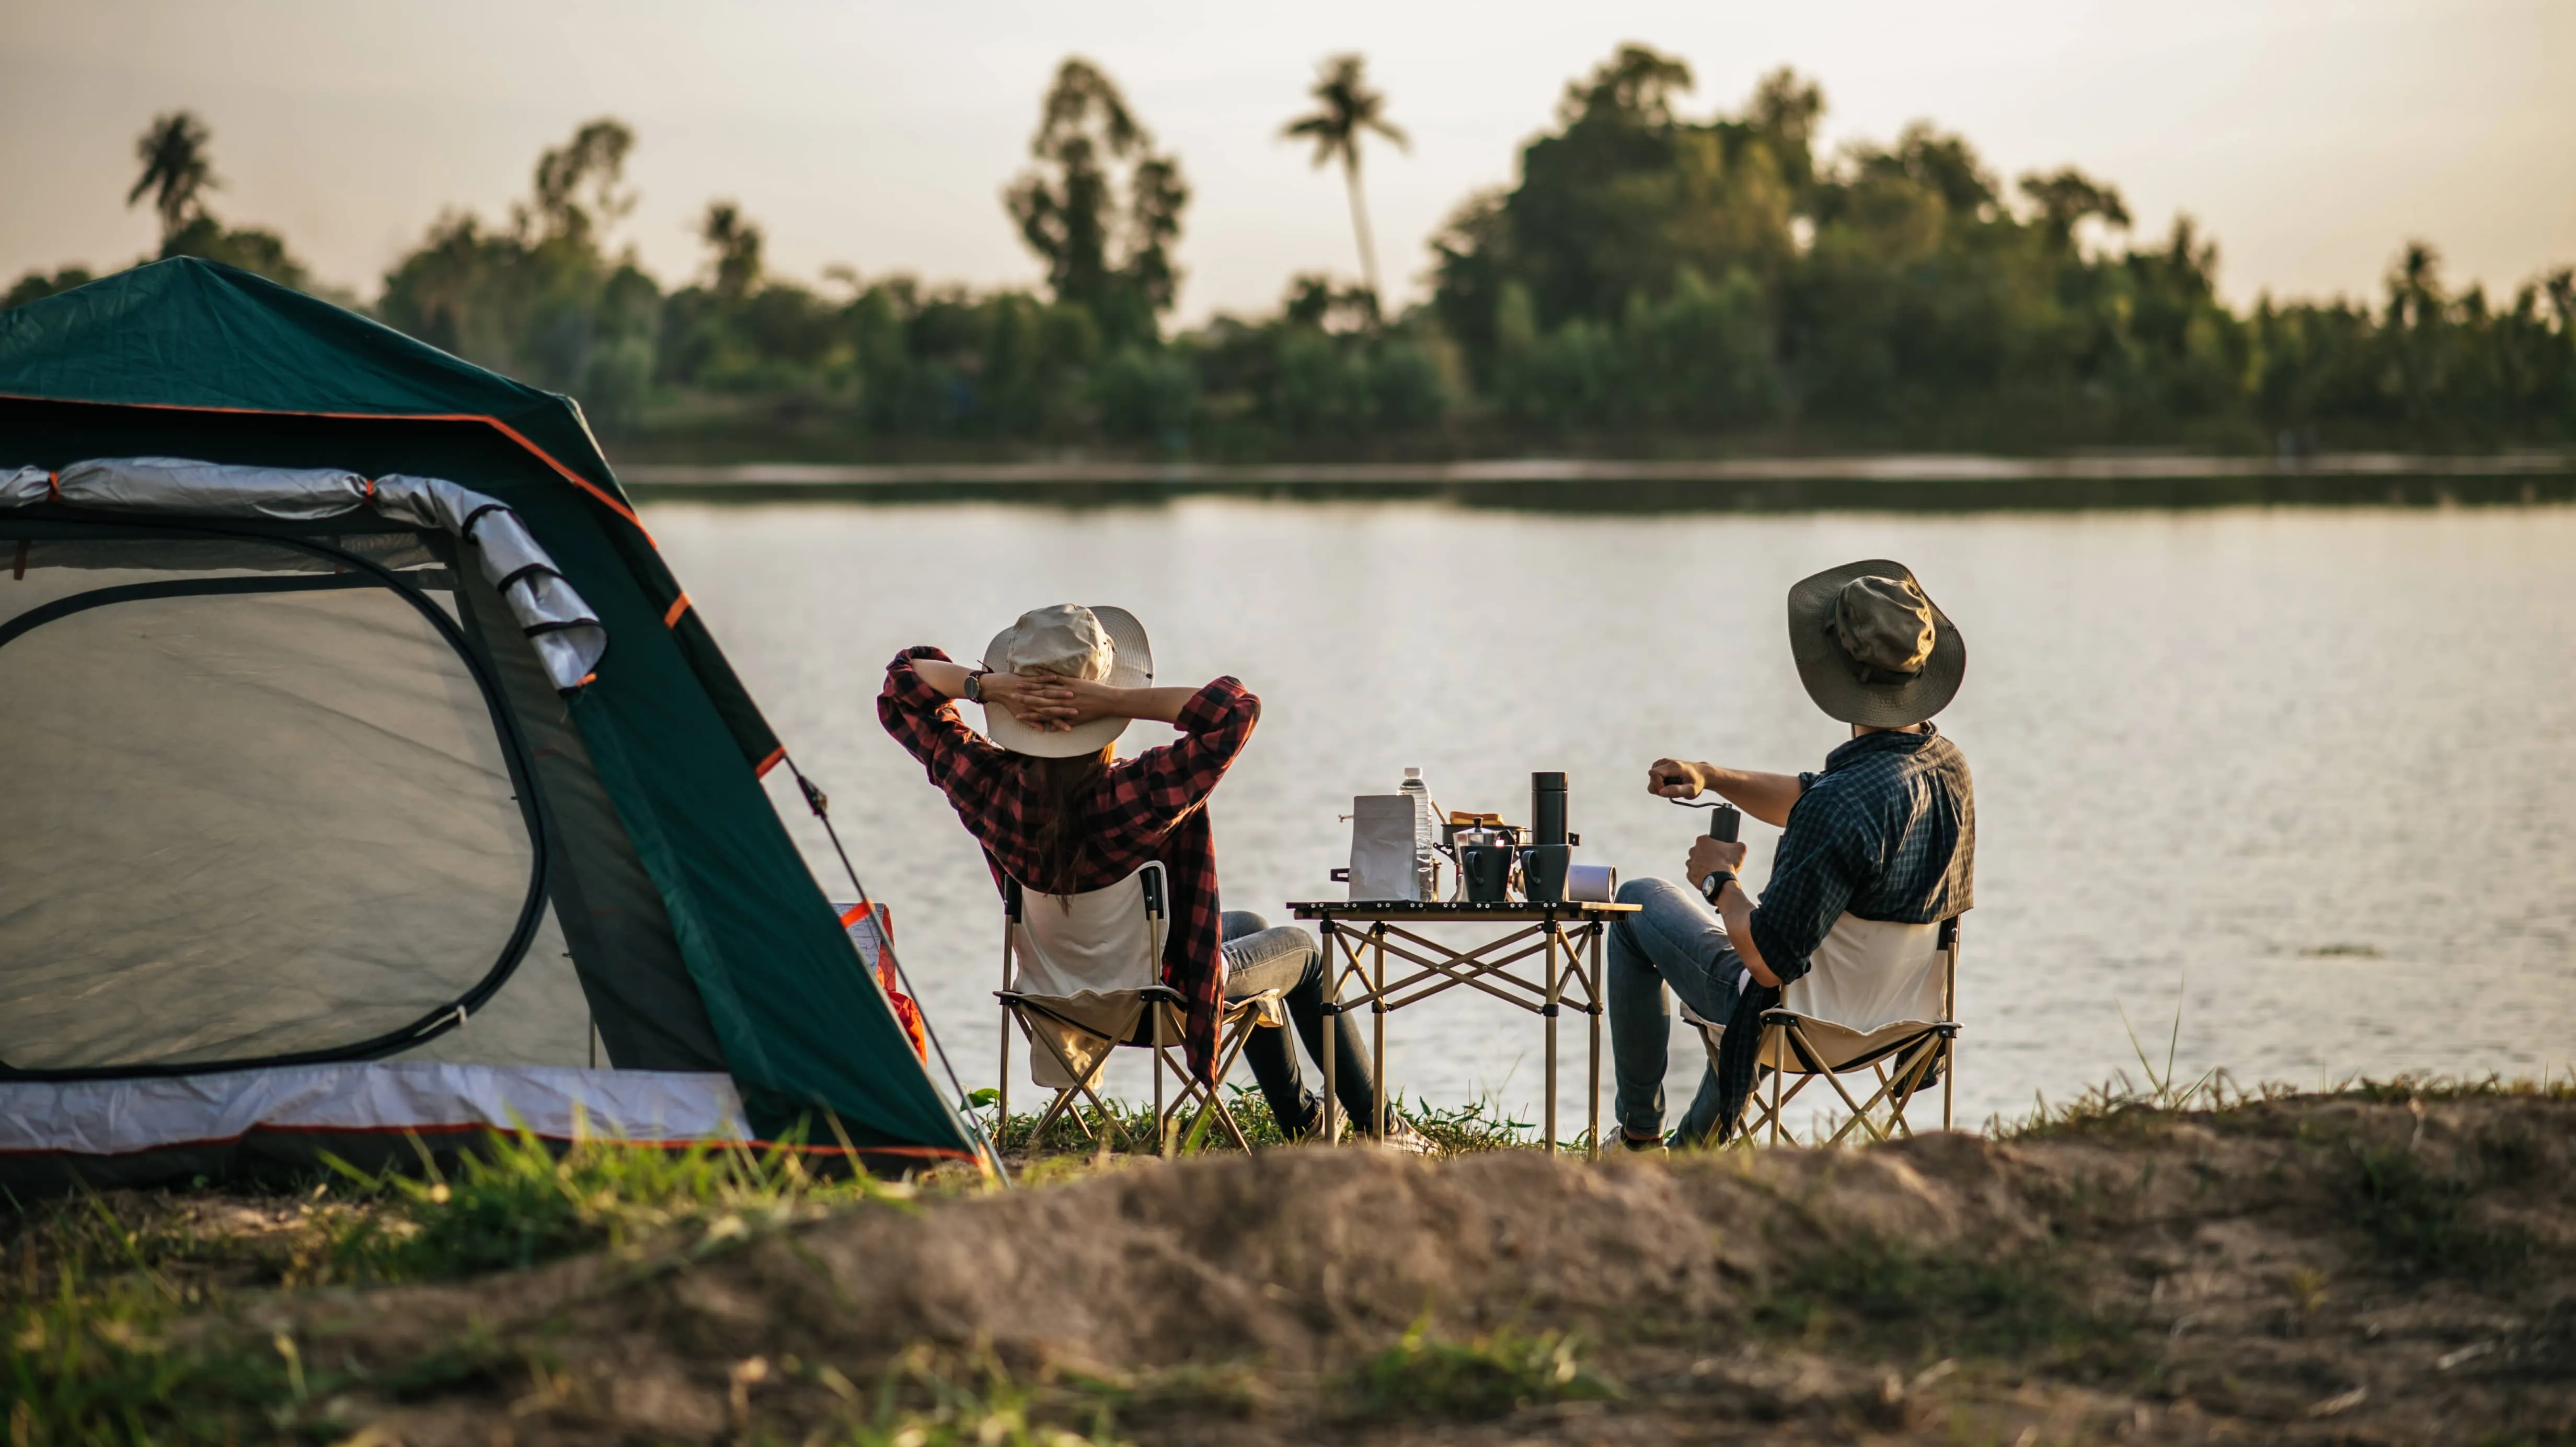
x: 1725, y: 821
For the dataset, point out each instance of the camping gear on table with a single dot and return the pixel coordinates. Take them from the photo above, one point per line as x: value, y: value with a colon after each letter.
x: 1082, y: 974
x: 1546, y: 960
x: 1591, y: 883
x: 1392, y: 854
x: 360, y: 735
x: 1486, y: 849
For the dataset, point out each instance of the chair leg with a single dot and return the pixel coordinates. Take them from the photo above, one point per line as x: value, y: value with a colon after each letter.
x: 1057, y: 1107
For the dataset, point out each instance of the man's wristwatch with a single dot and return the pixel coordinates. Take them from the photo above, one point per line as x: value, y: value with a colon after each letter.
x: 974, y: 690
x: 1718, y: 879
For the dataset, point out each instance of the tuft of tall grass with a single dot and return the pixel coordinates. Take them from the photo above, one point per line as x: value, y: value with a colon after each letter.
x: 516, y: 1203
x: 1478, y: 1125
x: 927, y: 1399
x: 1486, y: 1376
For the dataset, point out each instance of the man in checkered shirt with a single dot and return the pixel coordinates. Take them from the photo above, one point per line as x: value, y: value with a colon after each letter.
x: 1885, y: 835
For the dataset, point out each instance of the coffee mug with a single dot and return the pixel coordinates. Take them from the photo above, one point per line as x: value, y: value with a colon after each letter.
x: 1543, y: 872
x: 1487, y: 871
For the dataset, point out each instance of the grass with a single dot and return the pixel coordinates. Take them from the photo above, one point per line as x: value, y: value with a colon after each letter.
x: 517, y: 1204
x: 2420, y: 1217
x: 1479, y: 1125
x: 1486, y: 1376
x: 117, y: 1313
x: 923, y: 1400
x: 2027, y: 1306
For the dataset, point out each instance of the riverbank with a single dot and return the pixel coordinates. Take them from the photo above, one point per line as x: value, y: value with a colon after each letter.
x: 2387, y: 1264
x: 1903, y: 482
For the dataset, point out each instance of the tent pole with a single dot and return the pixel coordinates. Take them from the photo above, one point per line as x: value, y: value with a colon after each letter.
x: 821, y: 804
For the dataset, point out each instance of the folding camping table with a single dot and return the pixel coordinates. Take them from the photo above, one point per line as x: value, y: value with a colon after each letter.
x: 1562, y: 939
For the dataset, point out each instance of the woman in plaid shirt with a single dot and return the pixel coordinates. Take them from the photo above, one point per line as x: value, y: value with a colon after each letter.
x: 1060, y: 812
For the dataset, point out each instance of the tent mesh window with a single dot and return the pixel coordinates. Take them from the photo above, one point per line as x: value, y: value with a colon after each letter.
x: 264, y: 804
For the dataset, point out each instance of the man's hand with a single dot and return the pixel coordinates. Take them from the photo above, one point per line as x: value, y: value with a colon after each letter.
x: 1707, y: 856
x: 1674, y: 779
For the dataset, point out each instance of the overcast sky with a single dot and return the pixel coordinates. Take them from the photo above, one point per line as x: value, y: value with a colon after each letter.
x: 2311, y: 137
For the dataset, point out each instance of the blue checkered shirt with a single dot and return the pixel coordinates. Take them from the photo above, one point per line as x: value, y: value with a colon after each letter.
x: 1888, y: 831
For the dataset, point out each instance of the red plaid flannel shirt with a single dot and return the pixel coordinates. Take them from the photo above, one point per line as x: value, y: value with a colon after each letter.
x: 1151, y: 806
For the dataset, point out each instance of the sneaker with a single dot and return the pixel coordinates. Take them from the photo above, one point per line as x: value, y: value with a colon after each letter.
x: 1313, y: 1130
x: 1401, y: 1136
x: 1652, y: 1145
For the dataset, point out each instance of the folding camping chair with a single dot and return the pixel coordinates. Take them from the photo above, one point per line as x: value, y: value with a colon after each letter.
x: 1890, y: 1022
x: 1082, y: 975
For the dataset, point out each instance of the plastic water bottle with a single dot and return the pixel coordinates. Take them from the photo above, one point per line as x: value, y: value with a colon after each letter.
x: 1426, y: 859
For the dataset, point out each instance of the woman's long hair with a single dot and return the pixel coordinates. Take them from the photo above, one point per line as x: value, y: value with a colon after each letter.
x: 1063, y: 786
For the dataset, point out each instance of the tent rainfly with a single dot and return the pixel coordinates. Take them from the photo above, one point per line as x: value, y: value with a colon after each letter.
x: 371, y: 777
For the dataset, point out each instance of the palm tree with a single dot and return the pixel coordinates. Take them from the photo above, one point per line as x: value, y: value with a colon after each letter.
x: 175, y: 169
x: 1346, y: 109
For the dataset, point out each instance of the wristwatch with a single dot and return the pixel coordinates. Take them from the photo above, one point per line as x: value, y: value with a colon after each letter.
x: 1718, y: 880
x: 974, y: 691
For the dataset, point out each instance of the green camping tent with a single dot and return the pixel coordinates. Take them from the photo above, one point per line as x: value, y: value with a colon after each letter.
x: 372, y: 724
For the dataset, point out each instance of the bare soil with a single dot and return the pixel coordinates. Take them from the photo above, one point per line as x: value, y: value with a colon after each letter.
x: 2356, y: 1268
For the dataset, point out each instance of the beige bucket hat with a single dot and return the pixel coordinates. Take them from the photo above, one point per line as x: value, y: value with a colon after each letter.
x: 1099, y: 643
x: 1872, y: 648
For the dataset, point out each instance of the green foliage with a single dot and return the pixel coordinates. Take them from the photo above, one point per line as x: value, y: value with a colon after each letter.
x: 36, y: 285
x: 1105, y: 251
x: 98, y: 1362
x: 2025, y: 1305
x: 2421, y: 1217
x: 1490, y: 1375
x: 515, y: 1203
x: 926, y: 1400
x: 1651, y: 282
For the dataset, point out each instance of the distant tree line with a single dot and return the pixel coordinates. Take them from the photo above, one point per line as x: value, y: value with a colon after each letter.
x: 1652, y: 283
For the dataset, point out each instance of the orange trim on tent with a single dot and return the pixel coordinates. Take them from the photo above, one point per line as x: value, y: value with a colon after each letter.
x: 495, y: 423
x: 771, y: 762
x: 679, y: 605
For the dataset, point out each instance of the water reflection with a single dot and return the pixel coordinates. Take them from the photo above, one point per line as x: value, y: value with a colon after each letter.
x: 2302, y: 776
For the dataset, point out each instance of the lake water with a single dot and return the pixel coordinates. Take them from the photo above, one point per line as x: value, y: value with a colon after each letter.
x: 2303, y: 780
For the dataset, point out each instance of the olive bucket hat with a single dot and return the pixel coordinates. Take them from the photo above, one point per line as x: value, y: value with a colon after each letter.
x: 1872, y: 648
x: 1099, y: 643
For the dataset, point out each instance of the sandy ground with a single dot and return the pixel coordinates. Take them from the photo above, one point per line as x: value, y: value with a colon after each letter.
x: 2346, y: 1269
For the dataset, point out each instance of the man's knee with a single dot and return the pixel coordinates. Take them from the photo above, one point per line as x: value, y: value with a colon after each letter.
x: 1236, y: 923
x: 1638, y: 890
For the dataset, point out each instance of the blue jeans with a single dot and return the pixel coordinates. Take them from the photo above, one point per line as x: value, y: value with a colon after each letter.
x: 1676, y: 940
x: 1288, y: 959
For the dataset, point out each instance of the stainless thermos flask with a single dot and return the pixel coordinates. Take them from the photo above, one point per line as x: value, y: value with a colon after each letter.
x: 1547, y: 808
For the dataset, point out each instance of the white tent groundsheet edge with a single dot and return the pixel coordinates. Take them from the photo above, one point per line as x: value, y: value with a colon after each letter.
x: 122, y: 1117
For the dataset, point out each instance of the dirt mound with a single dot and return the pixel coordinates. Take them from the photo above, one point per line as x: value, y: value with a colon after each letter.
x: 2352, y: 1269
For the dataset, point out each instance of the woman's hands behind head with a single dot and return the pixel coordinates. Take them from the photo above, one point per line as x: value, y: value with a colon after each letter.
x: 1042, y: 701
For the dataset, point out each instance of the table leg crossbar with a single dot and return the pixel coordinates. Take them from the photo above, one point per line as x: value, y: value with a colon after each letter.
x: 1570, y: 957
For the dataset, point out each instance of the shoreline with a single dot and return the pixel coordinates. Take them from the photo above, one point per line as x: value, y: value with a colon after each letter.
x: 1901, y: 482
